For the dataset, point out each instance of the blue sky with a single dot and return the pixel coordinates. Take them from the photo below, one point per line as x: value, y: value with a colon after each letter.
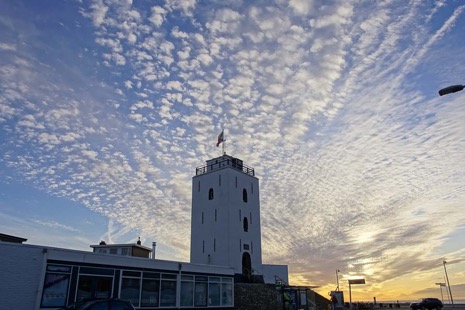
x: 107, y: 108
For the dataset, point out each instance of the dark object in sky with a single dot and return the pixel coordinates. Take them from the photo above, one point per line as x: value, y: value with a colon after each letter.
x: 451, y: 89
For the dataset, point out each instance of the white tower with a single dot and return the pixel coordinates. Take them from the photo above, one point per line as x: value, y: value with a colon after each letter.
x: 225, y: 222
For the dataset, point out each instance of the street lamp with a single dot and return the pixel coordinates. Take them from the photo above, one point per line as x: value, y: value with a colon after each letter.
x: 441, y: 284
x: 448, y: 283
x: 337, y: 279
x: 354, y: 281
x: 451, y: 89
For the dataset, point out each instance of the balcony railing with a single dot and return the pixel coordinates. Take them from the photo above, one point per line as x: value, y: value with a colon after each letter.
x: 233, y: 163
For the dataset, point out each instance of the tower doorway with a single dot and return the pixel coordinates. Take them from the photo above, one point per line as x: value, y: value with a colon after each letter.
x: 246, y: 265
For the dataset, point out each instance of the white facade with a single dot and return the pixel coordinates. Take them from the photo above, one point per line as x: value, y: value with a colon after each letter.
x: 225, y: 223
x: 39, y: 277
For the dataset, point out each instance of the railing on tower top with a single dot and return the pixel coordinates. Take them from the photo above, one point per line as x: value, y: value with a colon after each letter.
x: 236, y: 164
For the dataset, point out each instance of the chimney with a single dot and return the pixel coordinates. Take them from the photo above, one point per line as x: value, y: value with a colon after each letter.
x: 154, y: 246
x: 138, y: 242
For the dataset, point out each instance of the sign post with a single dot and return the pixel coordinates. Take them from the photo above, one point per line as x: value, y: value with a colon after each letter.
x: 354, y: 281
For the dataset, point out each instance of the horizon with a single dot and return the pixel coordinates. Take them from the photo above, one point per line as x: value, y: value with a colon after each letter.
x: 107, y: 108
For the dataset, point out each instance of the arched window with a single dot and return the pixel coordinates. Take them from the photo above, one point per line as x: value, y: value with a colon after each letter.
x: 246, y: 224
x: 210, y: 194
x: 244, y: 195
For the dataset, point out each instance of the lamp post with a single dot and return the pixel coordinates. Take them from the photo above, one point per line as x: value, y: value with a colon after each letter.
x: 354, y: 281
x: 451, y: 89
x: 448, y: 283
x: 337, y: 279
x: 441, y: 284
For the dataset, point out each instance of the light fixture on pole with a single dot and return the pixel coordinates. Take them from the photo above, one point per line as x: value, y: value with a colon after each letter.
x: 441, y: 284
x: 337, y: 279
x: 354, y: 281
x: 448, y: 283
x: 451, y: 89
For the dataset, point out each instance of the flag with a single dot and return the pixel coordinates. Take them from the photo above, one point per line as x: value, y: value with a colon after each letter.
x: 220, y: 138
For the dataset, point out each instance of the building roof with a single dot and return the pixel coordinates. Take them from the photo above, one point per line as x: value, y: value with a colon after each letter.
x: 10, y: 238
x: 121, y: 245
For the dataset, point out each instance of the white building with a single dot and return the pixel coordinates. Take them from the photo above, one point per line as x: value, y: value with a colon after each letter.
x: 225, y: 223
x: 225, y: 248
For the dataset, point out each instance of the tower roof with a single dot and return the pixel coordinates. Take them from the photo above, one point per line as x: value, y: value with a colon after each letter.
x: 224, y: 161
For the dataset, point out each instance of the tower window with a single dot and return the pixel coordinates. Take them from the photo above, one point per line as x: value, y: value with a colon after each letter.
x: 244, y: 195
x: 219, y: 179
x: 214, y: 245
x: 236, y: 182
x: 210, y: 194
x: 251, y: 187
x: 198, y: 186
x: 246, y: 224
x: 240, y: 245
x: 202, y: 217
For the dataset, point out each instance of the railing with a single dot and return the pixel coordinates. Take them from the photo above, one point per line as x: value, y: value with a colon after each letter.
x: 225, y: 163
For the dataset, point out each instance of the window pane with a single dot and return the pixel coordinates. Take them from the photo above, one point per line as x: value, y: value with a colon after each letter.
x: 103, y: 287
x: 187, y: 294
x: 200, y: 299
x: 55, y: 290
x: 84, y: 288
x: 226, y: 294
x: 214, y: 294
x: 151, y: 275
x: 168, y: 293
x: 59, y: 268
x: 150, y: 293
x: 131, y: 273
x: 169, y: 276
x: 130, y: 288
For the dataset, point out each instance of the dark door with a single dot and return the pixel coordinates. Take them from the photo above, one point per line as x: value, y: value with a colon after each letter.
x: 246, y: 265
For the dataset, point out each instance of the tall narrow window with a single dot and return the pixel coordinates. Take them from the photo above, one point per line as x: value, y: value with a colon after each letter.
x: 214, y: 245
x: 240, y: 215
x: 202, y: 217
x: 251, y: 187
x: 198, y: 186
x: 250, y: 217
x: 215, y: 215
x: 203, y: 246
x: 246, y: 224
x: 210, y: 194
x: 236, y: 182
x: 219, y: 179
x: 251, y: 246
x: 244, y: 195
x: 240, y: 245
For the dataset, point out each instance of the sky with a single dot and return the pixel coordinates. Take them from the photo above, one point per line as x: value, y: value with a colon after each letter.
x: 108, y: 106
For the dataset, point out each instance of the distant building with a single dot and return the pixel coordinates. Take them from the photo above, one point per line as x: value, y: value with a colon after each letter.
x: 131, y: 249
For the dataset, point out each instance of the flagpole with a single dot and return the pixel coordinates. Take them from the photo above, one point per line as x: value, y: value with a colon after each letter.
x: 224, y: 143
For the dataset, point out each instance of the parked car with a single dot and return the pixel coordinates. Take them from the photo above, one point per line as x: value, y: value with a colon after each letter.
x: 101, y: 304
x: 426, y: 303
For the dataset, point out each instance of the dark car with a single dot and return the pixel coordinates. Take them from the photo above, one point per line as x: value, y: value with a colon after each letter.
x: 426, y: 303
x: 102, y: 304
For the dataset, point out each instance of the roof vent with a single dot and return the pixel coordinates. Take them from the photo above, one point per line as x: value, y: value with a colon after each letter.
x: 102, y: 243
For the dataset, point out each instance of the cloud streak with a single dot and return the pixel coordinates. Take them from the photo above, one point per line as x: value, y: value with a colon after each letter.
x: 329, y: 104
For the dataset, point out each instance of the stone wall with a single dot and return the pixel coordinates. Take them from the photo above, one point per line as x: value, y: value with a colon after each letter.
x: 255, y: 296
